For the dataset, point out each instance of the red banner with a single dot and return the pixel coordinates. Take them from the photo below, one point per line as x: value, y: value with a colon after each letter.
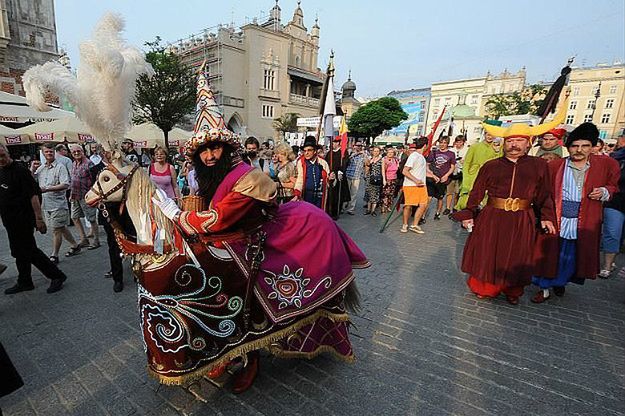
x: 44, y: 137
x: 87, y: 138
x: 13, y: 139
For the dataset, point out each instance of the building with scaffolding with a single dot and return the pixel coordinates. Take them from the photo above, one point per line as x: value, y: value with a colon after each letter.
x: 259, y: 71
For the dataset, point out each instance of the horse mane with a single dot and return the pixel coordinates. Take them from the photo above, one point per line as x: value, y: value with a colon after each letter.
x: 139, y: 199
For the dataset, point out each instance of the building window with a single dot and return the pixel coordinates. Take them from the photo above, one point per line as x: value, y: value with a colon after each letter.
x: 437, y: 101
x: 435, y: 114
x: 612, y: 89
x: 570, y: 119
x: 605, y: 118
x: 603, y: 134
x: 269, y: 79
x: 423, y: 104
x: 421, y: 116
x: 588, y: 118
x: 267, y: 111
x: 573, y: 105
x: 474, y: 99
x: 575, y: 91
x: 477, y: 129
x: 609, y: 103
x: 591, y: 104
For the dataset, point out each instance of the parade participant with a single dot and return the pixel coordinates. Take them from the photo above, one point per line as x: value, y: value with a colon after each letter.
x: 455, y: 179
x: 375, y: 180
x: 338, y: 188
x: 54, y: 180
x: 442, y: 163
x: 390, y: 165
x: 477, y: 155
x: 241, y: 197
x: 286, y: 172
x: 81, y: 181
x: 130, y: 154
x: 581, y: 183
x: 355, y: 170
x: 414, y: 173
x: 21, y: 214
x: 551, y: 145
x: 517, y: 186
x: 312, y: 175
x: 163, y: 174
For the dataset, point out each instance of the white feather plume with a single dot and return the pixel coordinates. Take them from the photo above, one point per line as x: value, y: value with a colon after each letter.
x: 104, y: 85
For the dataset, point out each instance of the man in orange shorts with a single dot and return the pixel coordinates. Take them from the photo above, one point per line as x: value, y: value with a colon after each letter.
x: 415, y: 192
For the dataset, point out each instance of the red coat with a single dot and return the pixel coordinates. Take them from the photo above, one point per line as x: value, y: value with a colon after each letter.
x: 603, y: 172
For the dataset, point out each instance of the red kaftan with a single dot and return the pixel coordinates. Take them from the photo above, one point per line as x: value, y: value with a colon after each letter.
x: 499, y: 251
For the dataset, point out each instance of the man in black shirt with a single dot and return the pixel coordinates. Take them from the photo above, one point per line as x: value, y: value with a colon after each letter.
x: 20, y: 211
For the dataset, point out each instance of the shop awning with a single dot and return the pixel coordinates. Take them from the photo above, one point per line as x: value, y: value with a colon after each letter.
x: 9, y: 136
x: 15, y: 109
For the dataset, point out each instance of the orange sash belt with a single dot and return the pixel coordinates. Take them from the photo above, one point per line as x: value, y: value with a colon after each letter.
x: 509, y: 204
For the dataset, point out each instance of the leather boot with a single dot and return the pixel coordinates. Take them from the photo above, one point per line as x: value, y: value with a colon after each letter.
x: 246, y: 377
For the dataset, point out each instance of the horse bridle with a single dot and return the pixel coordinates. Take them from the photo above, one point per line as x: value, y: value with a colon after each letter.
x: 124, y: 180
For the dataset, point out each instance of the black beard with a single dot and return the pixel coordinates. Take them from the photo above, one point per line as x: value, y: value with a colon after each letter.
x: 209, y: 177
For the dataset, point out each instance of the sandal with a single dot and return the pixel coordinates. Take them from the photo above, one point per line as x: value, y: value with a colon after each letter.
x: 54, y: 259
x: 73, y: 251
x: 604, y: 274
x: 93, y: 246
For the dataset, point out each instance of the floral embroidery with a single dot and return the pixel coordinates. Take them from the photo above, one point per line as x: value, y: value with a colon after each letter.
x: 289, y: 288
x: 203, y: 220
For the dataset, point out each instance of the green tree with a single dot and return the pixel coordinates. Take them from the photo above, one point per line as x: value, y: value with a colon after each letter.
x: 287, y: 123
x: 169, y: 95
x: 526, y: 101
x: 373, y: 118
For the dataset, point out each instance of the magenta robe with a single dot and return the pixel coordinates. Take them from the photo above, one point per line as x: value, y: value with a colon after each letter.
x: 603, y: 172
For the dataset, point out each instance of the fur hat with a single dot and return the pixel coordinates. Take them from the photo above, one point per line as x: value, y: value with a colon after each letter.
x: 585, y: 131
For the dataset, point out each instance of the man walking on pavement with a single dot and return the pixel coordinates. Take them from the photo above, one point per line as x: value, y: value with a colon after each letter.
x: 580, y: 183
x: 354, y: 171
x: 21, y: 214
x: 81, y: 181
x: 54, y: 180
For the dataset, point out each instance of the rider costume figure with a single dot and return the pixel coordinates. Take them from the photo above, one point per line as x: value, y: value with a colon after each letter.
x: 294, y: 278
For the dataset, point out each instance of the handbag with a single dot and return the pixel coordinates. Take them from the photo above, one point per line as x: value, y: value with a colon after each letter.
x: 376, y: 180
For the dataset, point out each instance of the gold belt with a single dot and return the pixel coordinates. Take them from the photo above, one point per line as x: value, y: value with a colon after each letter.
x: 509, y: 204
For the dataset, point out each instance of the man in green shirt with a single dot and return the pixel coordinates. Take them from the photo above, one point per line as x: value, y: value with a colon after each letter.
x: 477, y: 155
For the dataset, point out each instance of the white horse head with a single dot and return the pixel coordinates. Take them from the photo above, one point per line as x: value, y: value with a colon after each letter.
x: 132, y: 186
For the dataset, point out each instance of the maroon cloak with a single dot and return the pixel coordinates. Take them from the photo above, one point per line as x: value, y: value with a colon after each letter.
x: 500, y: 249
x: 603, y: 172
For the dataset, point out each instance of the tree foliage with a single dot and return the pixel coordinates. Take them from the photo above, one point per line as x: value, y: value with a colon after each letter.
x: 169, y: 95
x: 286, y: 123
x: 526, y: 101
x: 373, y: 118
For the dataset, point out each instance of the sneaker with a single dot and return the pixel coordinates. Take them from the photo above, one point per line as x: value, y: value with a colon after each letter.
x: 422, y: 221
x: 416, y: 229
x: 56, y: 284
x: 604, y: 274
x: 437, y: 216
x: 404, y: 228
x: 17, y: 288
x: 446, y: 212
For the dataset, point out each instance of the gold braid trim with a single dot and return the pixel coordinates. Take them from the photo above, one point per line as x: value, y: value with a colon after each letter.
x: 279, y: 352
x: 263, y: 342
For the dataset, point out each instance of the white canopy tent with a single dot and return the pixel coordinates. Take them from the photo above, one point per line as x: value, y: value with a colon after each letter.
x: 146, y: 136
x: 15, y: 109
x: 178, y: 137
x: 69, y: 129
x: 9, y: 136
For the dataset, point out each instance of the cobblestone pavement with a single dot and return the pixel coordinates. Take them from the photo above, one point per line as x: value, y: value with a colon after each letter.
x: 425, y: 346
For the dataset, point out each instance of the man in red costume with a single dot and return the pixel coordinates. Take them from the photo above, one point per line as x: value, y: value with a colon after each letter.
x: 498, y: 255
x: 581, y: 182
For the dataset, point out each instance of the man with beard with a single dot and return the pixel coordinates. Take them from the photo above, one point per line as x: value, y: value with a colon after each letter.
x: 477, y: 155
x: 517, y: 186
x: 338, y: 189
x: 550, y: 147
x: 581, y: 183
x: 299, y: 237
x: 312, y: 175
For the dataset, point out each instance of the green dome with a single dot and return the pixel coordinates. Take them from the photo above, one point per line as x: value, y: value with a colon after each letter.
x: 463, y: 111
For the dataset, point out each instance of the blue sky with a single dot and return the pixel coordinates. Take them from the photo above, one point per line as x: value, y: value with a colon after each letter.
x: 393, y: 44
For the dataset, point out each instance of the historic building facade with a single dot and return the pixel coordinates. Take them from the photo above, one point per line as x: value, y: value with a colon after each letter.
x: 27, y: 37
x: 349, y: 102
x: 598, y: 95
x: 415, y: 103
x: 261, y: 70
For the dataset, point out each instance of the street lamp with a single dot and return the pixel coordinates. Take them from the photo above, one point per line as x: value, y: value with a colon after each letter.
x: 594, y: 106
